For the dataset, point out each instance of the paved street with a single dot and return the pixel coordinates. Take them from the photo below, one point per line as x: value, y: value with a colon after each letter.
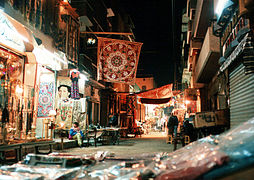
x: 128, y: 147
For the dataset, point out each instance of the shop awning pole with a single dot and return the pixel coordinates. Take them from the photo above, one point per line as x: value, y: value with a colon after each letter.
x: 107, y: 33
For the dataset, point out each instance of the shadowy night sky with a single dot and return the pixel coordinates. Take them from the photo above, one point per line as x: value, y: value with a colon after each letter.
x: 153, y: 27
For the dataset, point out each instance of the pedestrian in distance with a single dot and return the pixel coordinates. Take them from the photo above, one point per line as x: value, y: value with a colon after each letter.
x: 172, y: 125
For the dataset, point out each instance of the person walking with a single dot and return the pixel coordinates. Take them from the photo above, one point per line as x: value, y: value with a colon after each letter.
x: 172, y: 125
x: 172, y: 128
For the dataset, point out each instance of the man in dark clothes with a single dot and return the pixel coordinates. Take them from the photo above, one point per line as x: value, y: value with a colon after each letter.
x: 189, y: 130
x: 172, y: 125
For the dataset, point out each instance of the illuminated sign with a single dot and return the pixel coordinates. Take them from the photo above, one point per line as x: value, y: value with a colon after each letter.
x: 9, y: 36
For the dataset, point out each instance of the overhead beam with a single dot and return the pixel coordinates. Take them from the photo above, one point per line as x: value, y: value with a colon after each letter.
x: 113, y: 33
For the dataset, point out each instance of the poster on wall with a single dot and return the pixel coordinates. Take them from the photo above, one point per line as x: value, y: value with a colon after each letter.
x: 46, y: 98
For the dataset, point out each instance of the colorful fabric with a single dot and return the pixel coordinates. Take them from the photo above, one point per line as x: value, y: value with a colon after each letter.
x: 64, y: 114
x: 117, y: 60
x: 131, y: 102
x: 74, y: 86
x: 46, y: 95
x: 76, y: 114
x: 158, y: 93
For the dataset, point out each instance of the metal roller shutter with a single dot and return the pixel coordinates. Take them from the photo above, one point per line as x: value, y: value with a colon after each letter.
x: 241, y: 96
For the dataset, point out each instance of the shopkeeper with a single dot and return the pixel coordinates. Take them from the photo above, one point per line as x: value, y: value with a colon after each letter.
x: 76, y: 133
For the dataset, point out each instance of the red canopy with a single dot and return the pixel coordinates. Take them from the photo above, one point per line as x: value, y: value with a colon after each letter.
x: 158, y: 93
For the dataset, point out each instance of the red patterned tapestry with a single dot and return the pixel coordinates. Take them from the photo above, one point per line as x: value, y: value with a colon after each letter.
x: 158, y: 93
x: 117, y: 60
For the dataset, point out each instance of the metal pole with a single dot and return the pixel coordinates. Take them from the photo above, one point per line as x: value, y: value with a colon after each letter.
x: 173, y: 34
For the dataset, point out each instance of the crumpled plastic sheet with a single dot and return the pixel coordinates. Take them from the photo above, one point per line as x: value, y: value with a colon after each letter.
x: 190, y: 162
x: 123, y: 167
x: 21, y: 171
x: 238, y: 144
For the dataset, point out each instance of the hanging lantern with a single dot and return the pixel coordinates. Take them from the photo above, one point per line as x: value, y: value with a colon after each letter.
x: 14, y: 68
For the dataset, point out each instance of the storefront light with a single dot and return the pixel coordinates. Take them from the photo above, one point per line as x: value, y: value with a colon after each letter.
x: 222, y: 4
x: 19, y: 90
x: 91, y: 41
x: 187, y: 102
x: 54, y: 56
x: 83, y: 77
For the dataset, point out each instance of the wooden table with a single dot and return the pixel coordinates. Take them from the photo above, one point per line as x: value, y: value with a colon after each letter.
x: 19, y: 146
x: 105, y: 135
x: 112, y: 134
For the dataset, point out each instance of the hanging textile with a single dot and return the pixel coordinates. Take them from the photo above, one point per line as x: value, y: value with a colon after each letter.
x: 117, y: 60
x: 46, y: 94
x: 131, y: 105
x: 64, y: 114
x: 74, y: 86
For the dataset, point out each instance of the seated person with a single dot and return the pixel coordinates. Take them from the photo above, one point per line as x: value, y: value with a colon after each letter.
x: 189, y: 130
x: 76, y: 133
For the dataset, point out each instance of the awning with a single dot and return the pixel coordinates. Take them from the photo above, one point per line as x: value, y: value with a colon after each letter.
x: 155, y: 101
x: 158, y: 93
x: 15, y: 35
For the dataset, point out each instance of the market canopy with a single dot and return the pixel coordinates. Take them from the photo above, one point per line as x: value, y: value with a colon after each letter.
x: 155, y: 101
x: 159, y: 95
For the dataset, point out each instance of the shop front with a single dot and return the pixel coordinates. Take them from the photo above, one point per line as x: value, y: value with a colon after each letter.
x: 17, y: 100
x: 238, y: 64
x: 95, y: 108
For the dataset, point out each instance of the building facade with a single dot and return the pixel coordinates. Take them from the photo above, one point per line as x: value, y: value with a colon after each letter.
x: 220, y: 57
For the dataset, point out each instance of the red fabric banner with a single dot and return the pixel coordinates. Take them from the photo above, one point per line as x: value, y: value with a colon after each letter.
x: 158, y: 93
x: 117, y: 60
